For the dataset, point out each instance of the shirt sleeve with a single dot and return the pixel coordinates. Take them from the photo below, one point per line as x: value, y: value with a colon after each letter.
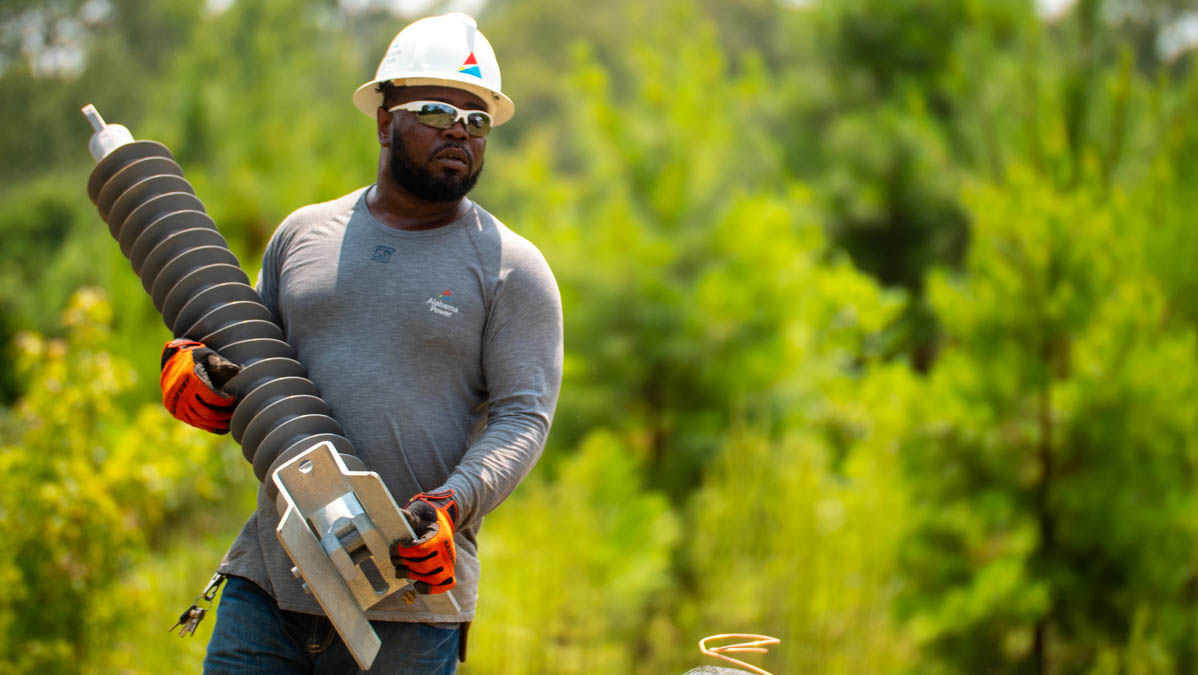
x: 268, y: 276
x: 522, y: 364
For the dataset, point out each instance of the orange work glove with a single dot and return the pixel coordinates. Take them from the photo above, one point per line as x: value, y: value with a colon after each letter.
x: 428, y: 561
x: 192, y: 376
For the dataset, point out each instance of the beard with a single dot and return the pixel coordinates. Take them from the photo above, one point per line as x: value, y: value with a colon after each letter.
x: 421, y: 184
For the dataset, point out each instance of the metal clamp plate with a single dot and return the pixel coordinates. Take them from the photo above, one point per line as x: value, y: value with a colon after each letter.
x: 338, y: 527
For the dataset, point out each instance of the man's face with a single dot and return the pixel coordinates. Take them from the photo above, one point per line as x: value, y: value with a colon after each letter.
x: 435, y: 165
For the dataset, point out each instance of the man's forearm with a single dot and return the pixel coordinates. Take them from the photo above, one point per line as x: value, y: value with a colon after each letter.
x: 497, y: 462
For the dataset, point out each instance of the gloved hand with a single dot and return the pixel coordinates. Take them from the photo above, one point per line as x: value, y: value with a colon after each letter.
x: 192, y: 377
x: 429, y: 560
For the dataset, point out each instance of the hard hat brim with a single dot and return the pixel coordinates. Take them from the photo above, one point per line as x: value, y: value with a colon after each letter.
x: 368, y: 99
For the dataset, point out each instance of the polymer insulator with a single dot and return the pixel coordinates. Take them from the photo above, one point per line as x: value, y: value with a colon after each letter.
x: 197, y: 284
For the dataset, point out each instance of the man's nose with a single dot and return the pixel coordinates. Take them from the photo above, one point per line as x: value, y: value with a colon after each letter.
x: 457, y: 130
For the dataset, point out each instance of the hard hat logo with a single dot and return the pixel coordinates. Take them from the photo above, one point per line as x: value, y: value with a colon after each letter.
x: 429, y: 52
x: 470, y: 67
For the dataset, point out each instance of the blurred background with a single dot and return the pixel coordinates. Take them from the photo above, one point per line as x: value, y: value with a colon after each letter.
x: 880, y: 325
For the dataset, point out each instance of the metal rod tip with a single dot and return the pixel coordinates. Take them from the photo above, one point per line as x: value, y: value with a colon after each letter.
x: 89, y: 111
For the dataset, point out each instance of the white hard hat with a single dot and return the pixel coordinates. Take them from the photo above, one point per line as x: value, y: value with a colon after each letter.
x: 443, y: 50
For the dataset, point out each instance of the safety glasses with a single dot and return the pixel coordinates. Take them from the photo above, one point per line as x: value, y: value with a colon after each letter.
x: 443, y: 116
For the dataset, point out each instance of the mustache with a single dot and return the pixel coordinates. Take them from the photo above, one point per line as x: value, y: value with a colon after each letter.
x: 423, y: 185
x: 454, y: 145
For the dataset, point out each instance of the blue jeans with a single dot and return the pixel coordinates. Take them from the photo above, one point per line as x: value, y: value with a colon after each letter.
x: 252, y: 635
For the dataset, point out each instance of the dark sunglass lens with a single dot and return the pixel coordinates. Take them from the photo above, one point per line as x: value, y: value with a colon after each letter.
x: 439, y: 116
x: 479, y: 124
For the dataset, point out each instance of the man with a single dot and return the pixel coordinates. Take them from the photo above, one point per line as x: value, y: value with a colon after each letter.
x: 433, y: 332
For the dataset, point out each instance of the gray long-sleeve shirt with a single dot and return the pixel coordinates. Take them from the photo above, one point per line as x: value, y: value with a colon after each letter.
x: 439, y: 352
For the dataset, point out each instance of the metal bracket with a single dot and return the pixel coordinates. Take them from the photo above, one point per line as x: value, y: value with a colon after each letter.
x: 338, y: 527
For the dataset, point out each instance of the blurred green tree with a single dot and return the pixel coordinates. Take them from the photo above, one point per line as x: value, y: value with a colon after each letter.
x: 58, y: 55
x: 572, y: 567
x: 794, y: 529
x: 1055, y: 472
x: 90, y: 491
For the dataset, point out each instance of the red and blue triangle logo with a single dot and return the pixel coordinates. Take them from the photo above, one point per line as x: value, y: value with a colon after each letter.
x: 470, y: 67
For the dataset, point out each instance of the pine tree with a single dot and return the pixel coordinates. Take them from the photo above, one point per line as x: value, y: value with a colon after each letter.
x: 1055, y: 467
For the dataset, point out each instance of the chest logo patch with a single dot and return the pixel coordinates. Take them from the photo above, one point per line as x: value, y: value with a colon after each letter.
x: 442, y: 305
x: 382, y: 254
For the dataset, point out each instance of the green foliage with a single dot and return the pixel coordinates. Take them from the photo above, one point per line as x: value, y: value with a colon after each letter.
x: 1166, y: 200
x: 788, y: 541
x: 266, y: 137
x: 56, y: 55
x: 91, y: 489
x: 1057, y: 469
x: 59, y: 244
x: 892, y: 196
x: 794, y: 527
x: 572, y: 567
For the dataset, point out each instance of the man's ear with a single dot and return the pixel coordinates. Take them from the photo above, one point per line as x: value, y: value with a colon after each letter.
x: 384, y: 119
